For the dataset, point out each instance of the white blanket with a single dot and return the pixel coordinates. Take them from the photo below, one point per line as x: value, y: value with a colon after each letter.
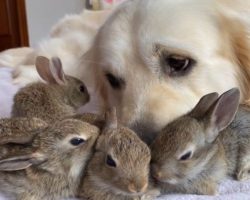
x: 7, y: 90
x: 228, y: 190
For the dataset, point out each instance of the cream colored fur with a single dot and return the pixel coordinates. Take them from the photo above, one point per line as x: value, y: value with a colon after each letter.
x: 14, y: 57
x: 212, y: 32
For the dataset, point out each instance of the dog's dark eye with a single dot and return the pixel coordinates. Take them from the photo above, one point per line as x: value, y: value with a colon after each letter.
x: 76, y: 141
x: 186, y: 156
x: 178, y: 65
x: 110, y: 162
x: 116, y: 83
x: 82, y: 88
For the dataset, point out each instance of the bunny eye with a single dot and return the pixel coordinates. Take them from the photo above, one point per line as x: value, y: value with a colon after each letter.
x: 186, y: 156
x: 82, y: 89
x: 110, y: 162
x: 76, y: 141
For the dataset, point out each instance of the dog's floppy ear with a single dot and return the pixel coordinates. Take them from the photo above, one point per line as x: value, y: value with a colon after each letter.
x: 240, y: 43
x: 233, y: 6
x: 235, y: 22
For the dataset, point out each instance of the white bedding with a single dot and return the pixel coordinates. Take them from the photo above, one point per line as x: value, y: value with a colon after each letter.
x: 7, y: 90
x: 229, y: 189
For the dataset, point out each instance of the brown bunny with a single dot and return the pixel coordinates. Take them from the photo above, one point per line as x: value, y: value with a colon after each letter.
x: 196, y: 151
x: 60, y: 97
x: 53, y: 163
x: 119, y: 168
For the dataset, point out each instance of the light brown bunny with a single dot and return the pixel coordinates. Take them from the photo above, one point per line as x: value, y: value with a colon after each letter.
x: 53, y: 166
x: 119, y: 168
x: 195, y: 152
x: 61, y: 96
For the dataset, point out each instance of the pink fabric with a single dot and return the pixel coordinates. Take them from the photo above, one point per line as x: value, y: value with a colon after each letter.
x: 109, y: 1
x: 107, y: 4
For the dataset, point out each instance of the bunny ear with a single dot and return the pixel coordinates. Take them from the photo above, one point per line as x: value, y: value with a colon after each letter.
x: 111, y: 119
x: 16, y: 163
x: 20, y: 130
x: 43, y: 69
x: 25, y: 138
x: 222, y: 113
x: 203, y: 105
x: 57, y: 71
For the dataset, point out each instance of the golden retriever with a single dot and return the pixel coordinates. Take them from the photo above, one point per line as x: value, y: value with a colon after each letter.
x: 154, y: 59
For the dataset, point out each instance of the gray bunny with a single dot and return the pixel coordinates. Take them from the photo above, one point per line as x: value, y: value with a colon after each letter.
x: 46, y: 163
x: 60, y: 96
x: 195, y: 152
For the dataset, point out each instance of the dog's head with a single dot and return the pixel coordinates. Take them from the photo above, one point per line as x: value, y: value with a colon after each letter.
x: 153, y: 60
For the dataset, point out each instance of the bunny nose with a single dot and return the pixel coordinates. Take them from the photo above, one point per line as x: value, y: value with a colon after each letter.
x: 157, y: 175
x: 156, y: 172
x: 137, y: 188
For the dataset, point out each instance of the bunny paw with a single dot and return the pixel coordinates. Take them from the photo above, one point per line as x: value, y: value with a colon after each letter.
x: 151, y: 194
x: 243, y: 174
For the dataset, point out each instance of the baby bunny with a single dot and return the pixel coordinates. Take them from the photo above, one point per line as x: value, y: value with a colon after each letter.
x: 52, y: 166
x: 60, y: 97
x: 119, y: 168
x: 194, y: 152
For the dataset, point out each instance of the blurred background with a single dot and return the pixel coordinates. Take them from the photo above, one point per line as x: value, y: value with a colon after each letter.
x: 43, y: 14
x: 26, y: 22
